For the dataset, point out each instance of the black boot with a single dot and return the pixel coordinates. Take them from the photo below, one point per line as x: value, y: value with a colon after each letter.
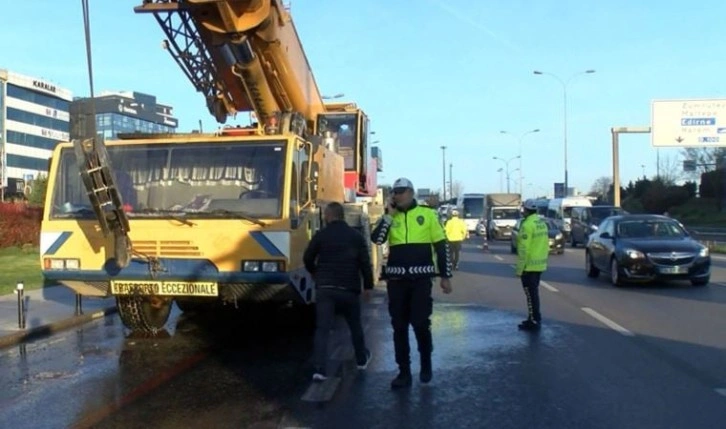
x: 529, y: 325
x: 426, y: 371
x: 402, y: 380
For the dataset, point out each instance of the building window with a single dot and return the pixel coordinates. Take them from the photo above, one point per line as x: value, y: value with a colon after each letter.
x: 37, y: 120
x: 31, y: 140
x: 37, y: 98
x: 26, y: 162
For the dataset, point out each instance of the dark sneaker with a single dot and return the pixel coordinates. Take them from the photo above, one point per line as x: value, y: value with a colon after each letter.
x: 363, y: 365
x: 402, y: 380
x: 319, y: 375
x: 529, y: 325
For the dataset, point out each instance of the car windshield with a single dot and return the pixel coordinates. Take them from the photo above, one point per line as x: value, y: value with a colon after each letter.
x: 649, y: 229
x: 199, y: 179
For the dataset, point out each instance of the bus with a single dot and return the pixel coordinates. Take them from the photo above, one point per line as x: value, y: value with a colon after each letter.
x: 472, y: 209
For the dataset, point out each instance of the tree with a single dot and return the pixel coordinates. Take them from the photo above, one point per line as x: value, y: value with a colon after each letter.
x: 434, y: 198
x: 37, y: 190
x: 457, y: 189
x: 670, y: 170
x: 706, y: 159
x: 601, y: 186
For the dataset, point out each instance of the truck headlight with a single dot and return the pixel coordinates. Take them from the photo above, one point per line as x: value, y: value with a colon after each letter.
x: 59, y: 264
x: 253, y: 266
x: 263, y: 266
x: 270, y: 267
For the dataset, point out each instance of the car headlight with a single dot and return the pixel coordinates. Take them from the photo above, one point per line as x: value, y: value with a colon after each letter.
x: 704, y: 252
x: 634, y: 254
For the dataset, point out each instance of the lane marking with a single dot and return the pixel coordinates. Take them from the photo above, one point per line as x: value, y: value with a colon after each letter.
x: 548, y: 286
x: 498, y: 258
x: 721, y: 391
x: 607, y: 322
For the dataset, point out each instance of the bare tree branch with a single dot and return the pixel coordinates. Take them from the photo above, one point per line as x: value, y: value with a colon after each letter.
x: 457, y: 189
x: 601, y: 187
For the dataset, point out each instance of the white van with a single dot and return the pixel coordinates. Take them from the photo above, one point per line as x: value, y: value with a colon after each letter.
x: 560, y: 209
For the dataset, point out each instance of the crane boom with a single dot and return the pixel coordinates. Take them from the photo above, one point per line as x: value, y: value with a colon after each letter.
x: 242, y: 55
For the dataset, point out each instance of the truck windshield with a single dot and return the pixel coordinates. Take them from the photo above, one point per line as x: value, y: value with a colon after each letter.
x: 345, y: 127
x: 505, y: 213
x: 473, y: 208
x: 192, y: 179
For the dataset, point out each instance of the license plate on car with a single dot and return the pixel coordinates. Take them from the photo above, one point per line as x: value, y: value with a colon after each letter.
x: 164, y: 288
x: 673, y: 270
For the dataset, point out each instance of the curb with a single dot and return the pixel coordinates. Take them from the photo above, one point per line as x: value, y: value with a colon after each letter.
x: 52, y: 328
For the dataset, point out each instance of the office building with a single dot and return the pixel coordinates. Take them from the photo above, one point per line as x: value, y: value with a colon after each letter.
x: 34, y: 117
x: 123, y: 112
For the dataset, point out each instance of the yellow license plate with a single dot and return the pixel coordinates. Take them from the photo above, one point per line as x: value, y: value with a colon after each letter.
x: 164, y: 288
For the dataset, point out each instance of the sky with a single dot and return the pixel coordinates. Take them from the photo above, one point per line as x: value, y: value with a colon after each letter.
x: 430, y: 73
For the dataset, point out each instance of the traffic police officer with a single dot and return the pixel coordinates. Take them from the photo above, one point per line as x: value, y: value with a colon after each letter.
x: 412, y: 232
x: 456, y: 232
x: 533, y: 249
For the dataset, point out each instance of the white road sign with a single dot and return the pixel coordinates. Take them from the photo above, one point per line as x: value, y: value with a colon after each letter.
x: 688, y: 123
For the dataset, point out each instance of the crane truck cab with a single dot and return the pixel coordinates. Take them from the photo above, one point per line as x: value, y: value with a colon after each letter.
x: 200, y: 219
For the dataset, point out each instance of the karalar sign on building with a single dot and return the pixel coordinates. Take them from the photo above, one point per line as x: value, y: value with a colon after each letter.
x: 688, y: 123
x: 44, y: 85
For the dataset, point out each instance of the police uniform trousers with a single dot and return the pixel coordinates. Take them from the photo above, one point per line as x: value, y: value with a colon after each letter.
x: 455, y: 247
x: 410, y: 303
x: 530, y: 283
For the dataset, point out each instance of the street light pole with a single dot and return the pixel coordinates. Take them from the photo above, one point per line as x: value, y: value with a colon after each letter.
x: 451, y: 180
x: 501, y: 179
x: 506, y: 165
x: 443, y: 178
x: 519, y: 142
x: 564, y: 104
x: 3, y: 146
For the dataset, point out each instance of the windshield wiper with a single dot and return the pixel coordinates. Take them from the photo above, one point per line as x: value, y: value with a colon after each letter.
x: 234, y: 214
x: 176, y: 215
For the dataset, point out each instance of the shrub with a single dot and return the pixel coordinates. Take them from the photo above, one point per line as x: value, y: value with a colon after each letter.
x: 19, y: 224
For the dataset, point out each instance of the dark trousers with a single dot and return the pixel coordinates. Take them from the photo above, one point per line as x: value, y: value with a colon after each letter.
x: 455, y: 251
x: 330, y: 302
x: 410, y: 303
x: 530, y: 283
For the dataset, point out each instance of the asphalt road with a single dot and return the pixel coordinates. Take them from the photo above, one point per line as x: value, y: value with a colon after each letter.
x: 633, y: 357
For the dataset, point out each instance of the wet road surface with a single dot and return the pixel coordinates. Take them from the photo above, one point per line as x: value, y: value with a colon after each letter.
x: 633, y: 357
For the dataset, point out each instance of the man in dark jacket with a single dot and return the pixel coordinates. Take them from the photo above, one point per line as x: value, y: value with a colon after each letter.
x: 337, y: 256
